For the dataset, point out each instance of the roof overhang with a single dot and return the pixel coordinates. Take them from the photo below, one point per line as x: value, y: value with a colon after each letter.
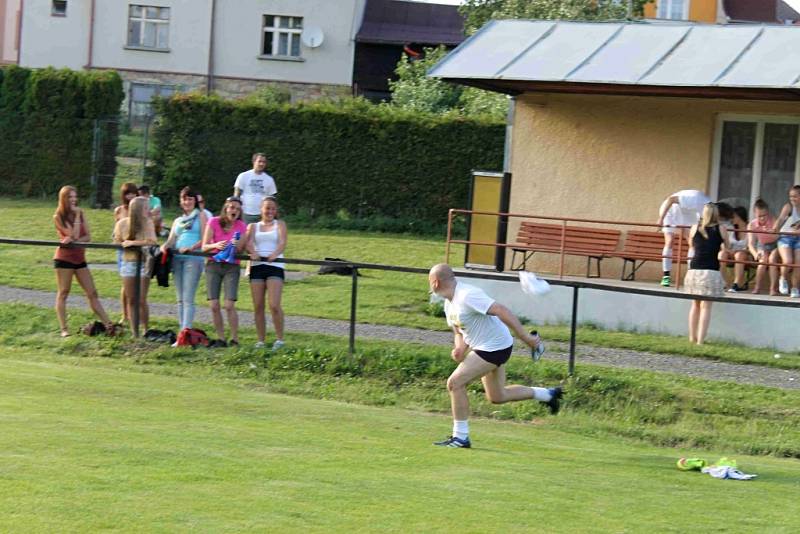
x: 752, y: 62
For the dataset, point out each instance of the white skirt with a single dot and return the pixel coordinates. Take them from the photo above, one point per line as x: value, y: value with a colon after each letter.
x: 704, y: 282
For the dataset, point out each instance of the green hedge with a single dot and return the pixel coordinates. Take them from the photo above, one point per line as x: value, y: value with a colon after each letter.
x: 326, y: 157
x: 47, y: 120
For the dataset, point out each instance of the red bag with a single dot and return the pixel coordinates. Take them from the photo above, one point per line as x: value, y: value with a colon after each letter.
x: 191, y: 337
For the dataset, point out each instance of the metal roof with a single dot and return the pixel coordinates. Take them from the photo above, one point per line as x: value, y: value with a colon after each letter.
x: 668, y: 59
x: 401, y: 22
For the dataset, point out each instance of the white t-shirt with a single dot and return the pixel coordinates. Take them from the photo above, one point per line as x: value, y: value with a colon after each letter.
x: 254, y: 188
x: 467, y: 312
x: 689, y: 208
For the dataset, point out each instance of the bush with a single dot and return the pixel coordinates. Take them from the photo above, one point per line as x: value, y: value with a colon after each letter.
x: 47, y: 120
x: 372, y: 161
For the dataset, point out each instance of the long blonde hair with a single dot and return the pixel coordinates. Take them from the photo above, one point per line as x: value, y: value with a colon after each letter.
x: 136, y: 217
x: 710, y: 218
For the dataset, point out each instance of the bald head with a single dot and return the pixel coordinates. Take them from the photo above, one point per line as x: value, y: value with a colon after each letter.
x: 442, y: 280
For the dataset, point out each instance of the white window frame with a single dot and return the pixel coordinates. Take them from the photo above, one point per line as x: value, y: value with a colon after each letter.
x: 760, y: 121
x: 144, y: 21
x: 667, y: 9
x: 55, y: 12
x: 276, y: 30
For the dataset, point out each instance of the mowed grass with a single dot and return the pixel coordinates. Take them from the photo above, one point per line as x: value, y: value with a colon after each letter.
x: 90, y: 444
x: 384, y: 297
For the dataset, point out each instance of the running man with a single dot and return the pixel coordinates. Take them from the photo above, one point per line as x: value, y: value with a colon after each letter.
x: 482, y: 345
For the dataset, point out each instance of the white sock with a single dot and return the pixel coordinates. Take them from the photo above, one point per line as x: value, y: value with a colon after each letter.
x: 666, y: 261
x: 542, y: 394
x: 461, y: 429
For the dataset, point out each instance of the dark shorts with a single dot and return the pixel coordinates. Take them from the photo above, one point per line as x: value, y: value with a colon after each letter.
x: 265, y: 272
x: 497, y: 357
x: 61, y: 264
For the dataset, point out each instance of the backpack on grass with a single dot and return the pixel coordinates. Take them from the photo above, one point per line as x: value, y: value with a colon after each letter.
x: 192, y: 337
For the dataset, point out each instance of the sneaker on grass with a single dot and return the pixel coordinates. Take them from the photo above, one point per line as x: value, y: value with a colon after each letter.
x: 555, y: 400
x: 454, y: 442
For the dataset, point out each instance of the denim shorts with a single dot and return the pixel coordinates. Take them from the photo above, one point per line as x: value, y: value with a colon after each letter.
x: 127, y: 269
x: 789, y: 241
x: 766, y: 247
x: 219, y: 275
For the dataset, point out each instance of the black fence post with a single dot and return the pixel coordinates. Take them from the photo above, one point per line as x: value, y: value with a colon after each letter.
x: 572, y: 327
x: 353, y: 300
x: 137, y: 293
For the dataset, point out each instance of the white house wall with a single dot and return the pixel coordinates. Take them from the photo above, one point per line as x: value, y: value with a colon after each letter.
x: 238, y: 40
x: 188, y: 38
x: 48, y: 40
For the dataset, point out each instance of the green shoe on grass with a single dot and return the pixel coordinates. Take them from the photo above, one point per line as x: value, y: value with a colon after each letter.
x: 691, y: 464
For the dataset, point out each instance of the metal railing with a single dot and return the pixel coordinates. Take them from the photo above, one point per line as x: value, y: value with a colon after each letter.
x: 576, y: 285
x: 565, y: 221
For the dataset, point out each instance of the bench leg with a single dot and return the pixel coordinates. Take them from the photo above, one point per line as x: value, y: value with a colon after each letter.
x: 526, y: 255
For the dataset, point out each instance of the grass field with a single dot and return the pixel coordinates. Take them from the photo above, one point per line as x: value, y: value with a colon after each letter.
x: 92, y: 443
x: 383, y: 298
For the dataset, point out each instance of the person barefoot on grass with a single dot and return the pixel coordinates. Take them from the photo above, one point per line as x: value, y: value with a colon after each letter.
x: 132, y: 232
x: 482, y: 345
x: 72, y: 227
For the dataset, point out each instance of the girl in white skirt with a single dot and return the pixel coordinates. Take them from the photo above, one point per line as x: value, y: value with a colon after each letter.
x: 703, y: 277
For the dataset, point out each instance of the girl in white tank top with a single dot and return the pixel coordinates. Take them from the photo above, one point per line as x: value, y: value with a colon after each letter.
x: 266, y: 242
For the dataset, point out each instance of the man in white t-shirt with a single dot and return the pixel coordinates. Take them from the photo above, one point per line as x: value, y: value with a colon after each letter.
x: 252, y: 187
x: 482, y: 345
x: 683, y: 208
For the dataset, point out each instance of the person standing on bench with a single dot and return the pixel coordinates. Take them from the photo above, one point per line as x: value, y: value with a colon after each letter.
x: 683, y: 208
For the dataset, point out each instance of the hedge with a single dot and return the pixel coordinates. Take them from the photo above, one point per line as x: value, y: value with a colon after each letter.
x: 47, y: 120
x: 326, y: 157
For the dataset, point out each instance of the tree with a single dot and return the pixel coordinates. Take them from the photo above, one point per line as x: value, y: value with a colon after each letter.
x: 414, y: 90
x: 479, y: 12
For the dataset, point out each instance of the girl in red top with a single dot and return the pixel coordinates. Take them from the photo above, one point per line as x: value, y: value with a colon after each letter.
x: 73, y: 228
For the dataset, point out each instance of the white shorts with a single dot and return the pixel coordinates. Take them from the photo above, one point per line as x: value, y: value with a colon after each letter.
x: 678, y: 217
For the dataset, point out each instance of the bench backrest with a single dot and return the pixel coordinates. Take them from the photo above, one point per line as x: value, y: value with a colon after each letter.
x: 649, y: 244
x: 577, y: 239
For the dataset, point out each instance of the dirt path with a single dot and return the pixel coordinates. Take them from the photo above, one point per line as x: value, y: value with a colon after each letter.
x: 667, y: 363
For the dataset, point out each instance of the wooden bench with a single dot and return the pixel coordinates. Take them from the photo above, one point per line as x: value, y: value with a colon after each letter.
x: 642, y: 246
x: 594, y: 243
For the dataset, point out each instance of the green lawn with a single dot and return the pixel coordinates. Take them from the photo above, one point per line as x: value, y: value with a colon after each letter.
x: 383, y: 297
x: 93, y: 444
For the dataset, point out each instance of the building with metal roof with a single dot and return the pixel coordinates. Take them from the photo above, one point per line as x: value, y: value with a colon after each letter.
x: 608, y: 119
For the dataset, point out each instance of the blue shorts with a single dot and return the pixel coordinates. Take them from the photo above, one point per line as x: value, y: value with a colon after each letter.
x: 789, y: 241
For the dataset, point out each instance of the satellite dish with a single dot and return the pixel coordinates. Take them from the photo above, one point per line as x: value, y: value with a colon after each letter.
x: 312, y: 36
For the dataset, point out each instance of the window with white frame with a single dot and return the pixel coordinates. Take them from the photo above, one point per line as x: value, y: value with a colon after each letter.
x: 756, y: 158
x: 148, y: 27
x: 59, y: 8
x: 673, y: 9
x: 281, y: 36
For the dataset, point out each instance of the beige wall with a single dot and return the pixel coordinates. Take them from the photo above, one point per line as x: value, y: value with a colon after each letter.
x: 9, y: 22
x: 613, y: 158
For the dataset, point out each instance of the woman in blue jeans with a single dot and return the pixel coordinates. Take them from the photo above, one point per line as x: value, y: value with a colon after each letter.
x: 186, y: 236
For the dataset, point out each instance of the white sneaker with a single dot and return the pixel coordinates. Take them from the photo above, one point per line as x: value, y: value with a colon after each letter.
x: 259, y: 345
x: 278, y: 345
x: 783, y: 286
x: 795, y: 293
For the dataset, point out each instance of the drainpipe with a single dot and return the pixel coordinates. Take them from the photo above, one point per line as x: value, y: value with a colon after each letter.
x: 19, y: 30
x: 89, y: 58
x: 210, y: 77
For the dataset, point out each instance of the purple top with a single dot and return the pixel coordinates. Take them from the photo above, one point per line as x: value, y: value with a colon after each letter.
x: 217, y: 234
